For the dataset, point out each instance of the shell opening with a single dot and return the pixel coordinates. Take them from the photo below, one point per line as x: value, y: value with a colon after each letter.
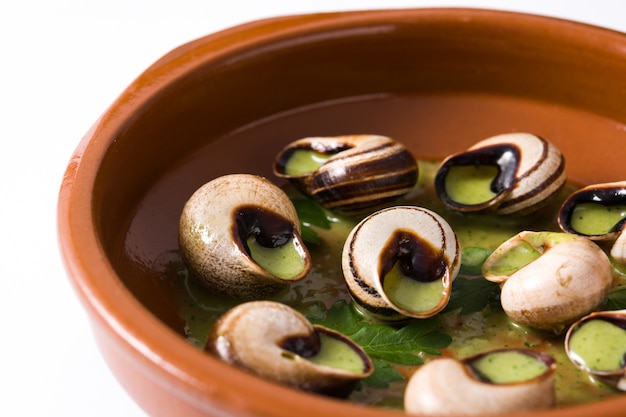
x: 326, y: 348
x: 508, y: 366
x: 305, y: 159
x: 340, y: 354
x: 511, y: 258
x: 478, y: 178
x: 597, y: 211
x: 270, y: 241
x: 597, y: 219
x: 412, y: 272
x: 305, y: 346
x: 598, y: 345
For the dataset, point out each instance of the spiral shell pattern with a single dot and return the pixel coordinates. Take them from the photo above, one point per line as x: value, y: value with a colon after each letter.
x: 362, y: 172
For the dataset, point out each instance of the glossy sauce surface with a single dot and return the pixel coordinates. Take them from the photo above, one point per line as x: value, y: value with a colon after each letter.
x: 431, y: 127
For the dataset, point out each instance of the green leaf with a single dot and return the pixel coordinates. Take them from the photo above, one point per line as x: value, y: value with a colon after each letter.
x: 617, y: 299
x: 472, y: 259
x: 383, y: 375
x: 309, y: 235
x: 381, y: 341
x: 424, y: 336
x: 315, y: 310
x: 341, y: 317
x: 310, y: 213
x: 471, y: 295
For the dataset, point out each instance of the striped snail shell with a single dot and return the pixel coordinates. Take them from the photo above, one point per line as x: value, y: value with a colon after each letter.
x: 511, y: 174
x: 598, y: 212
x: 400, y: 262
x: 348, y: 174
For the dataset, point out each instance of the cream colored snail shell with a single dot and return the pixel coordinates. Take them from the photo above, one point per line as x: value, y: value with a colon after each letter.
x: 362, y: 171
x: 567, y: 277
x: 217, y: 221
x: 417, y: 240
x: 447, y: 386
x: 579, y: 206
x: 614, y: 349
x: 530, y: 170
x: 274, y: 341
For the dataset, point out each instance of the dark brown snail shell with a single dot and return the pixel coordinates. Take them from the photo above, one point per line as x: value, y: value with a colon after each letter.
x: 362, y: 171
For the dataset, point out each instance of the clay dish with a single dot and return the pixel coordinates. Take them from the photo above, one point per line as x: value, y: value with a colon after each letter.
x: 439, y: 79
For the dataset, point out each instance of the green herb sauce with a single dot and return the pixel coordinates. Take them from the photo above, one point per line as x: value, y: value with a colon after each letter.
x: 596, y: 219
x: 509, y: 367
x: 284, y: 261
x: 303, y: 161
x: 599, y: 345
x: 471, y: 184
x: 339, y: 355
x: 515, y: 258
x: 411, y: 294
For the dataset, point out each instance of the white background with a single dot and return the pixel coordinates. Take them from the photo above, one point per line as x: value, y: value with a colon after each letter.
x: 61, y: 64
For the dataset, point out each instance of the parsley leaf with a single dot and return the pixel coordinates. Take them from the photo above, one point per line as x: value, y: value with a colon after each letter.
x: 472, y: 295
x: 310, y: 215
x: 309, y: 235
x: 383, y: 375
x: 342, y: 318
x: 617, y: 299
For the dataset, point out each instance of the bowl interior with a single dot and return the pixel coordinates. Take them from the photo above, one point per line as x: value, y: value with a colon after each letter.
x: 435, y: 80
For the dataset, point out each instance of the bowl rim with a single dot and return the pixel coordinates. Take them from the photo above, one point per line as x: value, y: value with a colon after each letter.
x: 113, y: 307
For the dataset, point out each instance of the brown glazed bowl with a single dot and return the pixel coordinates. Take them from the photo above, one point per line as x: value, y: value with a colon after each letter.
x: 438, y: 80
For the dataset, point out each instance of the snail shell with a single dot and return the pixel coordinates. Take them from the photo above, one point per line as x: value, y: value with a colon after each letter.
x: 597, y: 345
x: 598, y: 212
x: 448, y: 386
x: 358, y: 172
x: 216, y: 228
x: 511, y: 174
x: 400, y: 262
x: 278, y: 343
x: 548, y: 279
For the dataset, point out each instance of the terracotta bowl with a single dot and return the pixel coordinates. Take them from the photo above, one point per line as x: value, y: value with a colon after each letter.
x: 436, y: 79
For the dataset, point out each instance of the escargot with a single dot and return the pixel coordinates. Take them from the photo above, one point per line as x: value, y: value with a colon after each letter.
x: 598, y: 212
x: 549, y: 279
x: 240, y: 234
x: 348, y: 174
x: 274, y: 341
x: 499, y: 381
x: 510, y: 174
x: 400, y: 262
x: 597, y: 344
